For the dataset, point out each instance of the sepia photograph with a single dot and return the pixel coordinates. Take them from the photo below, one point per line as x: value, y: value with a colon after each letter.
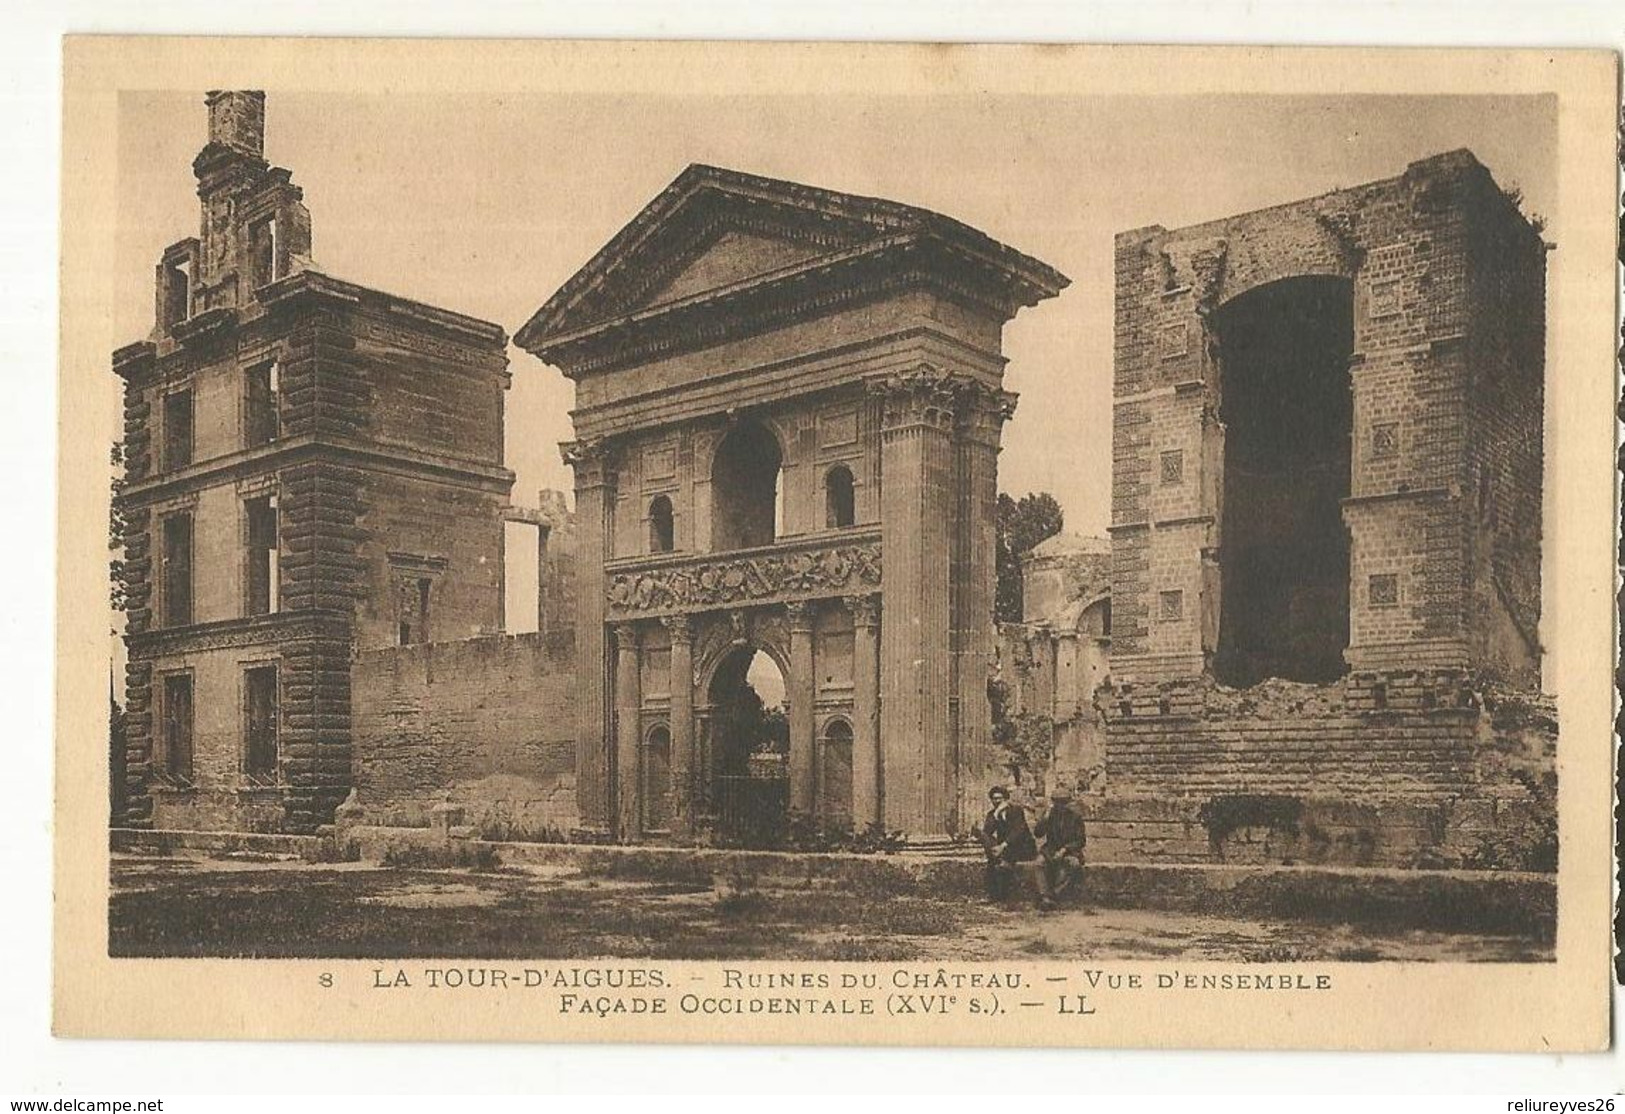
x: 946, y: 551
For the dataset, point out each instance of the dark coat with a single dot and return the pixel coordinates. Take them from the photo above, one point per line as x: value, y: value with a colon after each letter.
x: 1061, y: 829
x: 1009, y: 832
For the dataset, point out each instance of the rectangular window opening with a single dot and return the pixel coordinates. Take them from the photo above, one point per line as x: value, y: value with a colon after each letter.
x: 264, y: 579
x: 177, y: 292
x: 176, y: 759
x: 177, y: 570
x: 412, y: 609
x: 260, y: 724
x: 178, y: 429
x: 262, y: 253
x: 263, y: 404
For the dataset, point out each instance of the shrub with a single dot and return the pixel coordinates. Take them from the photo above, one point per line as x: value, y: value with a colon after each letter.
x: 1528, y: 839
x: 502, y: 829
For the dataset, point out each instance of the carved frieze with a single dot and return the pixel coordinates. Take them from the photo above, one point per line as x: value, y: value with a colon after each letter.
x: 756, y: 578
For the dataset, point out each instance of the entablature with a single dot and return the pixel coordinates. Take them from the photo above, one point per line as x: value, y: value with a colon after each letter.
x: 791, y: 570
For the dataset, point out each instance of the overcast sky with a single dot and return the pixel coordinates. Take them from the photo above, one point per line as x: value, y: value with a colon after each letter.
x: 486, y: 205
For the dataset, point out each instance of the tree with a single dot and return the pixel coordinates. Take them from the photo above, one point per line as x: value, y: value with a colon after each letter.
x: 1021, y: 524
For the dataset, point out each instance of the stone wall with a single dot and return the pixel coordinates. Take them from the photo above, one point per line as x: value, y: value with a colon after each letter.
x: 485, y: 722
x: 1393, y: 769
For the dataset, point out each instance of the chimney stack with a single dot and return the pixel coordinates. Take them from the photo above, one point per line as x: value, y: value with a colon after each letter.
x: 237, y: 120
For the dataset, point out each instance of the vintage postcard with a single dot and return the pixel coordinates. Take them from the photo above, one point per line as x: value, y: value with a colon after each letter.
x: 1090, y: 546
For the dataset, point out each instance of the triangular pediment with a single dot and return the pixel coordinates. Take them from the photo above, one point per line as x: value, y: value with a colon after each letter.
x: 713, y: 229
x: 734, y: 256
x: 716, y: 240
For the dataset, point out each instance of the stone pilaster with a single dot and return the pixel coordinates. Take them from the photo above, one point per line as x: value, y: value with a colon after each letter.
x: 866, y: 767
x: 982, y: 415
x: 682, y: 725
x: 628, y: 770
x: 799, y: 685
x: 918, y: 513
x: 595, y: 500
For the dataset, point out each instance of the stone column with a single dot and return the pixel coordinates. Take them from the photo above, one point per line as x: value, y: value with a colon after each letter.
x: 866, y: 768
x: 682, y: 725
x: 628, y: 770
x: 799, y: 686
x: 918, y: 519
x: 595, y: 497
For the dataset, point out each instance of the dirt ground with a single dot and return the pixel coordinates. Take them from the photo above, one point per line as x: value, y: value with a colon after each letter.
x: 245, y: 906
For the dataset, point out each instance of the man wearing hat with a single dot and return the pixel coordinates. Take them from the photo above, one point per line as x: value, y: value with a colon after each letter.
x: 1007, y: 841
x: 1060, y: 847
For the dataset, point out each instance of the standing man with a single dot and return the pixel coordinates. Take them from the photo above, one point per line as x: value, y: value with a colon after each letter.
x: 1062, y: 838
x: 1007, y: 842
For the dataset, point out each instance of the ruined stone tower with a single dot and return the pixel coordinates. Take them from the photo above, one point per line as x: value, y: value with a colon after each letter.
x: 1326, y: 503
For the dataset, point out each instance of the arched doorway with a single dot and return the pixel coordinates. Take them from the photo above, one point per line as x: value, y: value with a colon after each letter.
x: 749, y: 750
x: 1287, y: 407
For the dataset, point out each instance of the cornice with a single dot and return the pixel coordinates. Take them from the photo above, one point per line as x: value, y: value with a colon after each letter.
x: 291, y: 290
x: 309, y: 448
x: 879, y: 268
x: 258, y: 630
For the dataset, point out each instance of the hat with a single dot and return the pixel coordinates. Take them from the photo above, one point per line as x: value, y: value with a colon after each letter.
x: 1060, y: 793
x: 998, y: 791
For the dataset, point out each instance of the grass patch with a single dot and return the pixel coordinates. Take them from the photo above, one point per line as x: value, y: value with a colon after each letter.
x: 859, y: 949
x: 742, y: 905
x: 454, y: 855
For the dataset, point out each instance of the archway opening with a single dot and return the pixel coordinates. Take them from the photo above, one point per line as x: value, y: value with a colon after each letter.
x: 745, y: 506
x: 839, y: 505
x: 662, y: 527
x: 1287, y: 407
x: 750, y: 750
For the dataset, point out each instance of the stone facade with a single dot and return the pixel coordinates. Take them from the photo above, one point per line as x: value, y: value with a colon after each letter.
x: 788, y: 407
x: 313, y: 468
x: 1326, y: 509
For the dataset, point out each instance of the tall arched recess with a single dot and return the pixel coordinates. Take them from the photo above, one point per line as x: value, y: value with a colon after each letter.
x: 744, y: 488
x: 1287, y: 408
